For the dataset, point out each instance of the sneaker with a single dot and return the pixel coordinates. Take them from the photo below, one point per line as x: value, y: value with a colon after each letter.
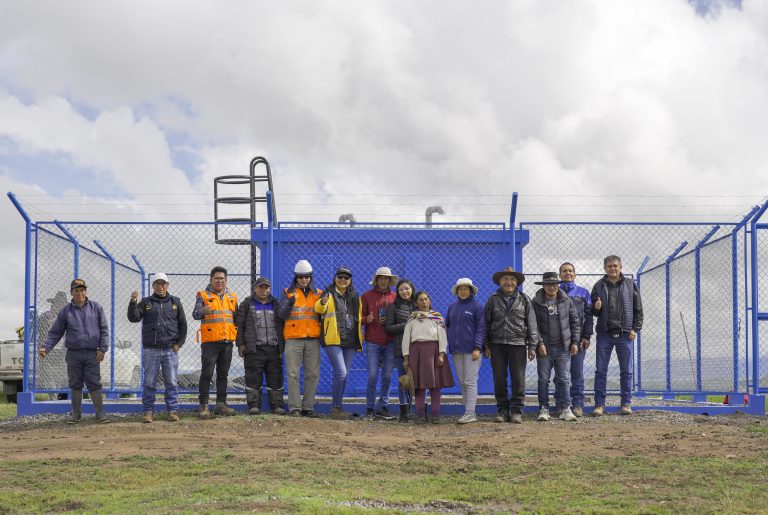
x: 567, y: 415
x: 599, y: 411
x: 502, y: 416
x: 578, y: 411
x: 74, y: 418
x: 543, y: 415
x: 173, y: 417
x: 626, y: 409
x: 147, y: 418
x: 254, y: 410
x: 223, y: 410
x: 205, y: 413
x: 309, y: 413
x: 516, y: 418
x: 384, y: 414
x: 467, y: 418
x: 294, y: 413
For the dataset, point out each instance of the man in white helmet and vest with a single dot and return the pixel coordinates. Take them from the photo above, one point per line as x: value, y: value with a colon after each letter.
x: 216, y: 307
x: 302, y: 338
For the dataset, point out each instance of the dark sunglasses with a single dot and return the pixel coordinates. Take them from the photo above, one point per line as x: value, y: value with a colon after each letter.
x: 343, y: 277
x: 303, y: 276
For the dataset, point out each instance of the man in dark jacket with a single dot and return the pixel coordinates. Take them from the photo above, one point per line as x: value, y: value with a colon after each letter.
x: 619, y: 310
x: 583, y: 303
x: 163, y: 332
x: 559, y: 337
x: 260, y: 343
x: 87, y: 334
x: 510, y: 324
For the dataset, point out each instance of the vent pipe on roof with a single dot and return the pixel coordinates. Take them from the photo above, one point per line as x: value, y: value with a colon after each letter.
x: 430, y: 211
x: 347, y: 217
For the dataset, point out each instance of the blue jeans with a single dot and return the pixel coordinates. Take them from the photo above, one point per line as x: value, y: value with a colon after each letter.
x: 340, y: 359
x: 558, y: 358
x: 402, y: 395
x: 153, y: 361
x: 624, y: 348
x: 577, y: 378
x: 379, y: 357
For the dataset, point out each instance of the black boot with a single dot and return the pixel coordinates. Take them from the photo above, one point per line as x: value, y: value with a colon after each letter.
x: 253, y: 398
x: 404, y: 412
x: 98, y: 404
x: 77, y: 407
x: 276, y: 402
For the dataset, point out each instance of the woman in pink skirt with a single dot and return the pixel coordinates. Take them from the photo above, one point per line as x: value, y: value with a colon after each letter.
x: 424, y: 347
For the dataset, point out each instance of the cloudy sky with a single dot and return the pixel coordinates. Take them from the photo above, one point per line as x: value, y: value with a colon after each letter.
x: 590, y: 109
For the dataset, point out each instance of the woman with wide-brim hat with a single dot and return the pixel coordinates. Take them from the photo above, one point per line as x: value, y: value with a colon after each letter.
x: 424, y: 346
x: 465, y: 323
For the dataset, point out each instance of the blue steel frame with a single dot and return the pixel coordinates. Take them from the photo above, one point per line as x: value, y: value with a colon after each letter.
x: 275, y: 235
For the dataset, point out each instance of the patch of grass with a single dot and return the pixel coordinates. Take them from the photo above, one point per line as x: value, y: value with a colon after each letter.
x: 220, y: 481
x: 7, y: 410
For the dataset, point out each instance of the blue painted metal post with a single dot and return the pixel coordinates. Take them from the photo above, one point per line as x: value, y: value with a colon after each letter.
x: 667, y: 263
x: 76, y: 244
x: 512, y: 221
x: 697, y: 278
x: 639, y: 362
x: 112, y: 315
x: 734, y: 281
x: 271, y: 238
x: 143, y: 275
x: 27, y: 279
x: 755, y: 302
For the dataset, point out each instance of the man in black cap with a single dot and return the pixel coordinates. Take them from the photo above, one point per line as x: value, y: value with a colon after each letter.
x: 511, y: 329
x: 260, y: 343
x: 85, y: 326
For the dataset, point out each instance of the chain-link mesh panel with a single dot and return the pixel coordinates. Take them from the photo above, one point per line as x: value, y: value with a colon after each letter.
x: 716, y: 315
x: 433, y: 258
x: 186, y: 252
x: 54, y: 265
x: 652, y: 343
x: 762, y: 302
x: 682, y: 322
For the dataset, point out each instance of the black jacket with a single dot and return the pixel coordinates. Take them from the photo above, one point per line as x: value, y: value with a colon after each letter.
x: 397, y: 316
x: 629, y: 308
x: 513, y: 326
x: 163, y: 321
x: 570, y: 321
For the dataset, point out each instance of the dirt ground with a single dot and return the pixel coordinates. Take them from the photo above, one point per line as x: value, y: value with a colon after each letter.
x: 647, y: 433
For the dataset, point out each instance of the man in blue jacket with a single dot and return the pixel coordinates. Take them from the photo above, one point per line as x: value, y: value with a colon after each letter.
x: 616, y: 304
x: 163, y: 332
x: 85, y: 326
x: 583, y: 303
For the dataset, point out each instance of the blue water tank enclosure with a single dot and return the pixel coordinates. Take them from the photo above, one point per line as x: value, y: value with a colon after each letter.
x: 434, y: 257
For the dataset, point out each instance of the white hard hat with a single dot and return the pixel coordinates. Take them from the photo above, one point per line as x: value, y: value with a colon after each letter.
x: 302, y: 268
x: 160, y: 277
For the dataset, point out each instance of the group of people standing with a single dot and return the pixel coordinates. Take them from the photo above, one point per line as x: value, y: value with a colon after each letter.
x: 396, y: 329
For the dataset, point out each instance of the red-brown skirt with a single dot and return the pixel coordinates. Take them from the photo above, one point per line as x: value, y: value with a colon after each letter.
x: 423, y: 363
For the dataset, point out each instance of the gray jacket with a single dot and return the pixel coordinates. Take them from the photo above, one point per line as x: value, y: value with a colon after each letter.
x: 259, y: 326
x: 515, y: 325
x: 570, y: 321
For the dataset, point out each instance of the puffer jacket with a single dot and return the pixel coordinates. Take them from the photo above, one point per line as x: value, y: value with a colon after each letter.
x: 259, y: 326
x: 513, y: 326
x: 570, y: 323
x: 397, y: 317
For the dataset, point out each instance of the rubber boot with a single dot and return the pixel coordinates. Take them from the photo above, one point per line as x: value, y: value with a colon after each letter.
x: 77, y: 407
x: 404, y: 412
x: 98, y: 404
x: 276, y: 402
x: 253, y: 398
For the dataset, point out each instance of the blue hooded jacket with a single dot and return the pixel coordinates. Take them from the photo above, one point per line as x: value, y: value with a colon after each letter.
x: 465, y: 322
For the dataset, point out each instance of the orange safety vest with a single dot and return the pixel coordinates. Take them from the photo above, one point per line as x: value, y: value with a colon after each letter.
x: 219, y: 324
x: 304, y: 321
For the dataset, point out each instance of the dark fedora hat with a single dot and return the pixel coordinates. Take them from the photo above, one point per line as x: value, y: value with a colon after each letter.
x: 509, y: 271
x: 549, y: 278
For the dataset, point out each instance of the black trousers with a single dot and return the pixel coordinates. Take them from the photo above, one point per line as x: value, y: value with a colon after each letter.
x: 83, y: 369
x: 216, y: 355
x: 264, y: 362
x: 512, y: 359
